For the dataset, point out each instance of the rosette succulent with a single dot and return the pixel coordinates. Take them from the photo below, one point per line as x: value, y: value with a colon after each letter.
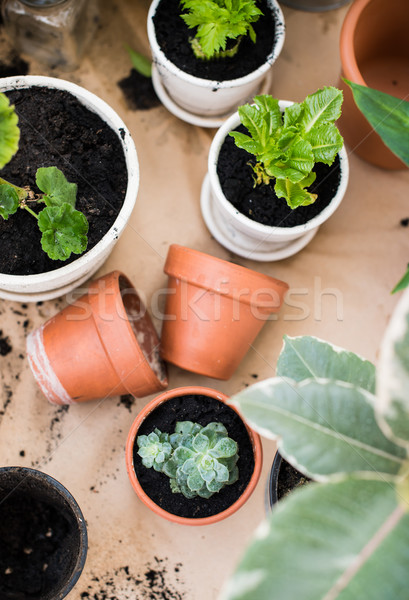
x: 201, y: 462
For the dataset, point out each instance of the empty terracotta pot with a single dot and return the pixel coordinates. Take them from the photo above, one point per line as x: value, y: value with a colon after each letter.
x: 214, y: 310
x: 102, y: 345
x: 375, y: 53
x: 206, y: 393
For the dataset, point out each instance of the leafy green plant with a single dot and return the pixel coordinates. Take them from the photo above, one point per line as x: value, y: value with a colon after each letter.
x: 287, y: 145
x: 389, y: 116
x: 199, y: 461
x: 218, y: 21
x: 346, y: 535
x: 64, y: 229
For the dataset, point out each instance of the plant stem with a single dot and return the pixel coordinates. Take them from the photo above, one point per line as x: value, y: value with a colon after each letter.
x: 30, y: 211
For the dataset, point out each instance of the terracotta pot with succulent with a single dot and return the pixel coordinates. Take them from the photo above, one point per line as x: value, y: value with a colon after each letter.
x: 276, y: 171
x: 190, y: 458
x: 344, y: 535
x: 102, y: 345
x: 211, y: 56
x: 374, y: 53
x: 43, y: 536
x: 67, y: 191
x: 214, y: 311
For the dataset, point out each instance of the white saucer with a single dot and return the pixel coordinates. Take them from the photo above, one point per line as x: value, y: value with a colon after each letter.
x: 187, y: 116
x: 220, y: 232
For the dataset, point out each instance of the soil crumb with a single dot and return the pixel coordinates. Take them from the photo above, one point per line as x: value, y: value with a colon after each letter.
x: 5, y: 346
x: 14, y: 66
x: 138, y: 91
x: 127, y: 401
x: 152, y: 583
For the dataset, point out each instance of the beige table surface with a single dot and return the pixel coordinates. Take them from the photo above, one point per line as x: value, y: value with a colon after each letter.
x: 340, y: 290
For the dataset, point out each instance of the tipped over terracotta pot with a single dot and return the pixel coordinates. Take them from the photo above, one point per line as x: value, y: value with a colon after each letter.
x: 202, y: 405
x: 374, y: 53
x: 102, y: 345
x: 214, y: 310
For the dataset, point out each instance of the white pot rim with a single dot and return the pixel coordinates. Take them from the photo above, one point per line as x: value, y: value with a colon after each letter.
x: 69, y: 272
x: 258, y: 228
x: 213, y: 83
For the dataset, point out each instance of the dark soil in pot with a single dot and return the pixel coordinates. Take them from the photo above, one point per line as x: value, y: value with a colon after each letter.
x: 284, y: 479
x: 260, y: 203
x: 203, y: 410
x: 173, y: 36
x: 57, y: 130
x: 39, y: 539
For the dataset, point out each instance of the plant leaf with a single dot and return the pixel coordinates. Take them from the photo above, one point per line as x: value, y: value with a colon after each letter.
x: 55, y: 186
x: 393, y: 375
x: 326, y: 142
x: 322, y: 537
x: 294, y: 193
x: 9, y: 131
x: 140, y: 63
x: 307, y: 357
x: 9, y: 201
x: 323, y: 426
x: 402, y: 283
x: 321, y: 107
x: 64, y: 231
x: 389, y: 116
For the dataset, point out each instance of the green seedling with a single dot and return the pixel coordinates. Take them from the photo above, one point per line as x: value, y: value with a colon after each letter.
x: 64, y: 229
x: 287, y: 145
x: 201, y: 462
x: 218, y: 21
x: 140, y: 63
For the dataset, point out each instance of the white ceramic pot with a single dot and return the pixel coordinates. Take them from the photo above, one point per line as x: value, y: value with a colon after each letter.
x: 208, y: 97
x: 245, y: 237
x: 52, y: 284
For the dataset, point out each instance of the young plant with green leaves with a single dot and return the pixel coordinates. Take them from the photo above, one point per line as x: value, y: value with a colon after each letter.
x: 64, y: 229
x: 287, y: 144
x: 389, y: 116
x: 217, y: 21
x: 199, y: 461
x: 337, y: 421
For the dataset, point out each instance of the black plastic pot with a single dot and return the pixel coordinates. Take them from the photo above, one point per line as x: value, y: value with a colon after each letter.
x: 314, y: 5
x: 280, y: 468
x: 43, y: 536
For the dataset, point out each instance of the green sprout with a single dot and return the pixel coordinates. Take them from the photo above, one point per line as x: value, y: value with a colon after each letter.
x: 287, y: 145
x: 140, y: 63
x: 64, y: 229
x: 201, y: 462
x: 216, y: 22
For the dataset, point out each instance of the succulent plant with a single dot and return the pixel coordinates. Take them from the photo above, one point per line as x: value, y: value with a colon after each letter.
x: 154, y: 449
x: 202, y: 460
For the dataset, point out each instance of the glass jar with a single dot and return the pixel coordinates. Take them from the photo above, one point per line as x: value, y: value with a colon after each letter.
x: 55, y: 32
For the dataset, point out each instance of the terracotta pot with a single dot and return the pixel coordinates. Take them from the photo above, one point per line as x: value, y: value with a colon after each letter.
x: 207, y: 97
x: 151, y: 406
x: 102, y: 345
x: 314, y: 5
x: 248, y: 238
x: 23, y: 490
x: 214, y: 310
x: 374, y: 53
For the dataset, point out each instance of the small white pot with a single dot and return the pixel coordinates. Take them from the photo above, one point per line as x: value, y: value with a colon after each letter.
x: 52, y: 284
x: 245, y: 237
x: 208, y: 97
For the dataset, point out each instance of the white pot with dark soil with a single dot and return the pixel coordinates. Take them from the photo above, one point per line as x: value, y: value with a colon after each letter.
x: 64, y: 125
x: 43, y: 536
x: 249, y: 219
x: 193, y: 87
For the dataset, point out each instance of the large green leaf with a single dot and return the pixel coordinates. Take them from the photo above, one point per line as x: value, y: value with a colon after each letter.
x: 389, y: 116
x: 403, y: 283
x: 9, y: 200
x: 294, y: 193
x: 324, y: 106
x: 307, y: 357
x: 323, y: 426
x: 337, y: 541
x: 55, y: 186
x: 9, y: 131
x: 393, y: 375
x: 326, y: 142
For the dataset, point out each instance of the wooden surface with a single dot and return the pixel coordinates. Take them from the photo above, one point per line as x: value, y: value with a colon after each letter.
x: 340, y: 290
